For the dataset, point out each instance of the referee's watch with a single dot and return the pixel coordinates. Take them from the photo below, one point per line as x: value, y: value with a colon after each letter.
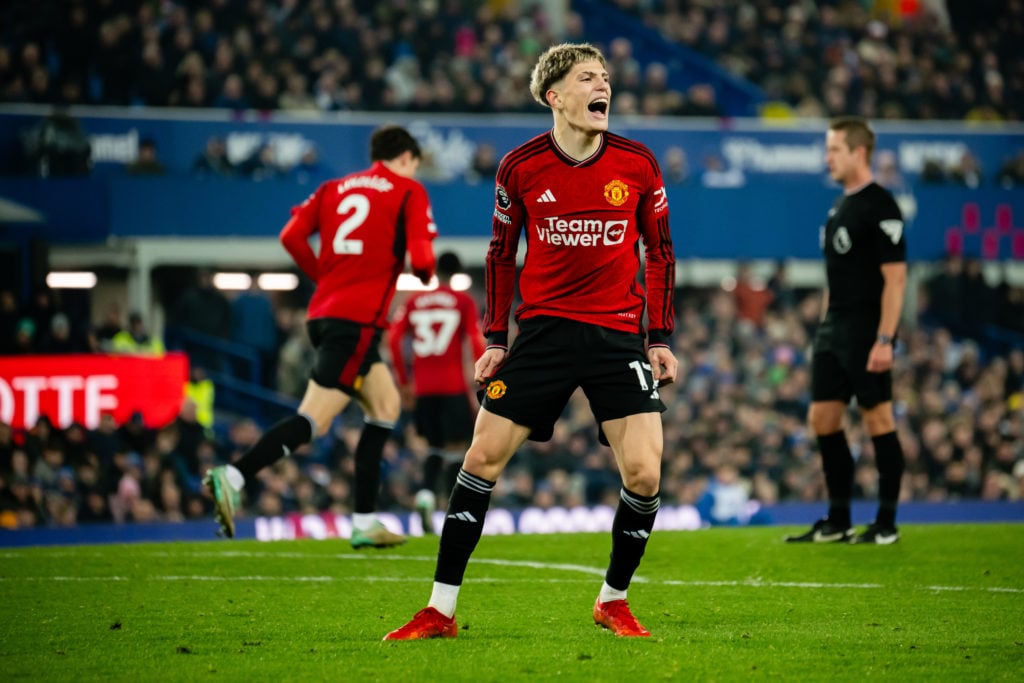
x: 885, y: 339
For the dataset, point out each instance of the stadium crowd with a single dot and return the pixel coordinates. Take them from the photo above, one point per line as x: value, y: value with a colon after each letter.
x: 920, y: 60
x: 737, y: 413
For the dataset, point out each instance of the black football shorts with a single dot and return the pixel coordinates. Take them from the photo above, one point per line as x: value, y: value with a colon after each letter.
x: 551, y: 357
x: 839, y: 375
x: 345, y: 350
x: 443, y: 420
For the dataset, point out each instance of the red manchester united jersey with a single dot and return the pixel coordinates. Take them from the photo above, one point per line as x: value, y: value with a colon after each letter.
x: 367, y: 221
x: 584, y: 222
x: 440, y: 322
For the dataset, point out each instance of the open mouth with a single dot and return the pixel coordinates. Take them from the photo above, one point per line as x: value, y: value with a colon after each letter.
x: 599, y: 106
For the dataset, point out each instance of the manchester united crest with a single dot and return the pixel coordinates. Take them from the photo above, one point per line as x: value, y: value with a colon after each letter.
x: 616, y: 192
x: 496, y: 389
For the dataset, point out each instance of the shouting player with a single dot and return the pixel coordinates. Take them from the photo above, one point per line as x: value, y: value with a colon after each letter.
x: 589, y: 200
x: 367, y: 222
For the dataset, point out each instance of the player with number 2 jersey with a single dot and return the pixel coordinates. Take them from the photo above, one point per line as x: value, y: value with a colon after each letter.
x: 367, y: 221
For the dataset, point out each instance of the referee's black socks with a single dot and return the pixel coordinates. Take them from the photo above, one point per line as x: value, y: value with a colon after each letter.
x: 276, y: 443
x: 463, y: 524
x: 837, y: 462
x: 889, y: 461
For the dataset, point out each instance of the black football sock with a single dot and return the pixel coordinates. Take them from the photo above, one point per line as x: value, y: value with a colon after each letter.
x: 368, y: 453
x: 889, y: 461
x: 276, y: 443
x: 463, y: 524
x: 634, y: 520
x: 837, y: 462
x: 432, y: 470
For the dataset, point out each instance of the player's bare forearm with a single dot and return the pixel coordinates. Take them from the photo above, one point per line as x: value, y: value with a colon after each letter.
x: 894, y: 276
x: 664, y: 364
x: 488, y: 364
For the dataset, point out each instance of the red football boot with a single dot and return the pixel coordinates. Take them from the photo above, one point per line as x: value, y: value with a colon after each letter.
x: 427, y: 623
x: 615, y: 616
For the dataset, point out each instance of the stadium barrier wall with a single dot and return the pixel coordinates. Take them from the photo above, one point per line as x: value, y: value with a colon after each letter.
x: 776, y: 218
x: 776, y: 213
x: 327, y: 526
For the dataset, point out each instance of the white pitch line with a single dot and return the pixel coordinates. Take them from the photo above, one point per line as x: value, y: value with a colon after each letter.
x: 753, y: 582
x: 385, y: 579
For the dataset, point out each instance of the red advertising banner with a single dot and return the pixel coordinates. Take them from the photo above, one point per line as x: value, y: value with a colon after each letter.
x: 81, y: 388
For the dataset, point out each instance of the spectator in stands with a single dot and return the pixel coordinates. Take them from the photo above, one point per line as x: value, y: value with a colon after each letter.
x: 945, y: 296
x: 484, y: 164
x: 1011, y: 173
x: 61, y: 337
x: 726, y: 500
x: 148, y: 162
x: 101, y: 337
x: 262, y: 164
x: 136, y: 339
x: 752, y: 295
x: 57, y: 147
x: 676, y: 166
x: 25, y: 337
x: 979, y: 301
x: 296, y: 97
x: 967, y: 171
x: 310, y: 169
x: 214, y: 160
x: 933, y: 172
x: 296, y: 355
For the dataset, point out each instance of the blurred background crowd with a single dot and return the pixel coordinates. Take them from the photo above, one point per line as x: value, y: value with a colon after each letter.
x: 924, y: 59
x: 736, y: 420
x: 916, y: 60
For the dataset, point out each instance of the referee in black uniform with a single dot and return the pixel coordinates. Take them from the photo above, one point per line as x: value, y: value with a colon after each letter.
x: 865, y: 262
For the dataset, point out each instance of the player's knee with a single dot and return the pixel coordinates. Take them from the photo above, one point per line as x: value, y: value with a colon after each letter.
x: 644, y: 483
x: 824, y: 420
x: 878, y: 421
x: 385, y: 408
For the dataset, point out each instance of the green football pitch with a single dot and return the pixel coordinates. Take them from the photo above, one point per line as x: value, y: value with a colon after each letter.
x: 944, y: 604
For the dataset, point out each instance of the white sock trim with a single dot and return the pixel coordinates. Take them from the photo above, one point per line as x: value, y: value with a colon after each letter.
x: 443, y: 598
x: 608, y: 593
x: 235, y: 478
x: 363, y: 521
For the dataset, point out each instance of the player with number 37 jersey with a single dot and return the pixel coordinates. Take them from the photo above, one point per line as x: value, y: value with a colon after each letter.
x: 367, y: 221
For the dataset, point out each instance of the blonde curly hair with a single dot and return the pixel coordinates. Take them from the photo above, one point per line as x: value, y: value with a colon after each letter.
x: 556, y: 62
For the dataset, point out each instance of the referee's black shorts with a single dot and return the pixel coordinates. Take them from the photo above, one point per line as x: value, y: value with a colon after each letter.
x: 345, y: 350
x: 551, y: 357
x: 839, y: 369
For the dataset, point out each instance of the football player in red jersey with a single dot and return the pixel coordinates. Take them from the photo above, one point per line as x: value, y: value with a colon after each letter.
x: 442, y: 323
x: 367, y: 222
x: 589, y: 201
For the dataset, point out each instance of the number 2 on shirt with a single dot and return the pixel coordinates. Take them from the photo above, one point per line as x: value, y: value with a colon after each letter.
x: 356, y: 207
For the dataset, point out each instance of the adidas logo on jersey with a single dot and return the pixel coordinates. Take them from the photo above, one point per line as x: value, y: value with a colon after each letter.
x: 547, y: 197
